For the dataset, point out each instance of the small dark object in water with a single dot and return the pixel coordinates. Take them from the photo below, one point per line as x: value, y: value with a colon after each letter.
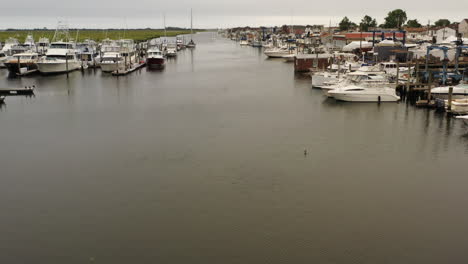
x: 305, y: 152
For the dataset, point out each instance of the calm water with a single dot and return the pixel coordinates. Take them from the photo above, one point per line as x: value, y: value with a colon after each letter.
x: 203, y: 163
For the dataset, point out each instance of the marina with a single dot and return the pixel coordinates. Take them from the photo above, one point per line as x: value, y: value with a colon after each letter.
x: 315, y: 143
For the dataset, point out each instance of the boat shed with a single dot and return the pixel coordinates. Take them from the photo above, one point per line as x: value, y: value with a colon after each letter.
x: 303, y: 62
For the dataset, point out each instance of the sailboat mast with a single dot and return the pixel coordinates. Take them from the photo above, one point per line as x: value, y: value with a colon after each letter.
x: 165, y: 32
x: 191, y: 24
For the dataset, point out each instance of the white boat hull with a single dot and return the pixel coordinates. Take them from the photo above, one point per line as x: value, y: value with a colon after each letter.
x: 109, y: 67
x: 58, y: 67
x: 364, y: 97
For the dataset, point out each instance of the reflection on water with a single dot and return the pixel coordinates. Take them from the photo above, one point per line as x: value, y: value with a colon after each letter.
x: 203, y: 162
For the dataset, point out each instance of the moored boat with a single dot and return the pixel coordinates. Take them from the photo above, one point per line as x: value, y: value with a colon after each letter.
x: 155, y: 59
x: 277, y: 52
x: 60, y: 58
x: 22, y: 62
x: 459, y: 92
x: 355, y: 93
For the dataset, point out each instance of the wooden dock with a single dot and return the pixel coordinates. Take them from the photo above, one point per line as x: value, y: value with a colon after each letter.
x: 133, y: 68
x: 14, y: 91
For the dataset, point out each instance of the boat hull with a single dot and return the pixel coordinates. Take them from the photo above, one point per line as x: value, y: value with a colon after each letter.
x: 14, y: 69
x: 57, y: 67
x: 155, y: 63
x: 367, y: 97
x: 109, y: 67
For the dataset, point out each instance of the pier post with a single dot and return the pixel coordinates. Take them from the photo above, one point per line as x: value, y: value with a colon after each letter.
x: 66, y: 63
x: 429, y: 88
x: 397, y: 74
x: 19, y: 66
x: 409, y: 78
x: 449, y: 107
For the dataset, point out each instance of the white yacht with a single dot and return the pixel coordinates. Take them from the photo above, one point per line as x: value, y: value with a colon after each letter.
x: 60, y: 57
x: 459, y: 92
x: 119, y: 56
x: 277, y: 52
x: 365, y: 74
x: 363, y: 93
x: 110, y: 61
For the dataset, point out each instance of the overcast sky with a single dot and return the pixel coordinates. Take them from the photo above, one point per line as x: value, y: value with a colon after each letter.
x: 214, y: 13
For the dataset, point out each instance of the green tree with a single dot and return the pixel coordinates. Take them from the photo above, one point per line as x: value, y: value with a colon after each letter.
x: 367, y: 22
x: 395, y: 19
x: 442, y: 23
x: 346, y: 24
x: 413, y: 23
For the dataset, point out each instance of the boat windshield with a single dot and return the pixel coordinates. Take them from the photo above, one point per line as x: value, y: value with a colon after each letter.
x: 58, y: 57
x: 111, y: 59
x: 61, y: 46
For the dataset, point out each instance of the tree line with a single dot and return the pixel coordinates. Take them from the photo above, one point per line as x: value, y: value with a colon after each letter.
x: 394, y: 19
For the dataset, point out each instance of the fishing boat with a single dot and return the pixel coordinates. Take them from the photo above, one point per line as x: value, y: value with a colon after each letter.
x: 459, y: 92
x: 155, y: 59
x: 22, y: 63
x: 361, y: 93
x: 9, y: 44
x: 29, y: 43
x: 191, y: 43
x: 60, y: 58
x: 61, y: 55
x: 464, y: 118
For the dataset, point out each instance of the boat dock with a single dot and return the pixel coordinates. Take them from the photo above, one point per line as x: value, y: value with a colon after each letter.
x: 14, y: 91
x: 133, y: 68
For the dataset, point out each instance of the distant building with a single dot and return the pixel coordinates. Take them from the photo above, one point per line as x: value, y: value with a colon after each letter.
x: 463, y: 28
x: 442, y: 33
